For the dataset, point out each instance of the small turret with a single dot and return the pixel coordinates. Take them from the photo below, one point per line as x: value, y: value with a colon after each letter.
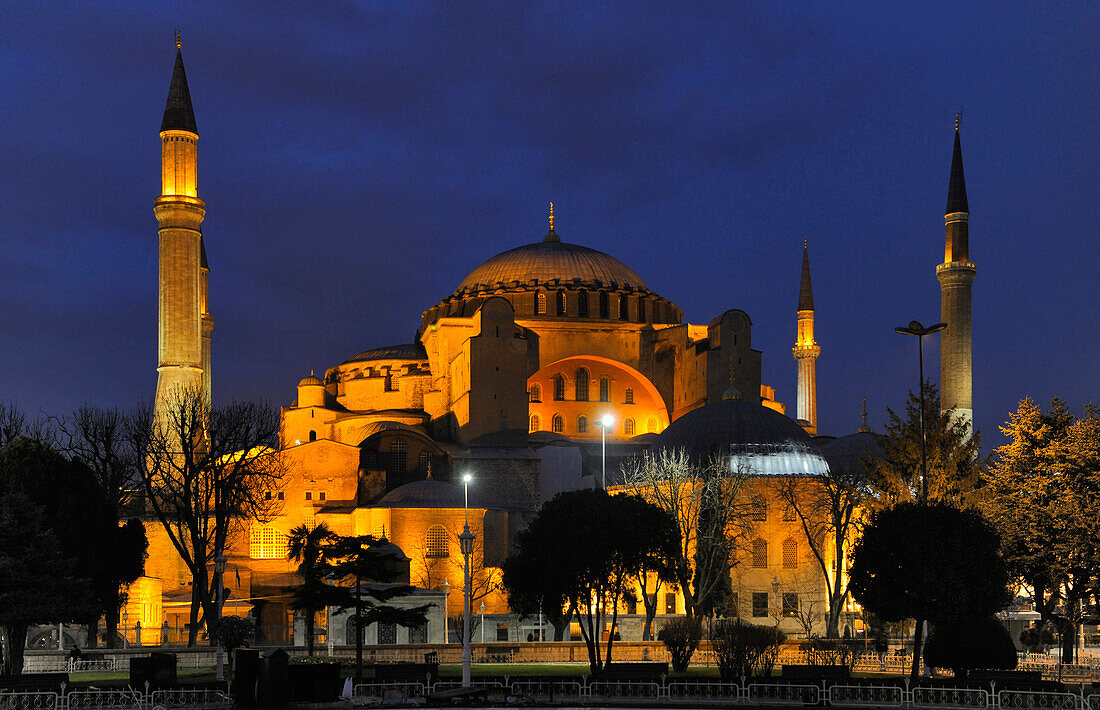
x: 311, y: 392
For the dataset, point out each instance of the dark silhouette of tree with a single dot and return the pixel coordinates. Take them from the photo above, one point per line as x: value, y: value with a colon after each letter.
x: 952, y: 451
x: 308, y: 547
x: 936, y: 562
x: 981, y: 643
x: 584, y: 548
x: 97, y: 438
x: 204, y: 471
x: 1043, y: 494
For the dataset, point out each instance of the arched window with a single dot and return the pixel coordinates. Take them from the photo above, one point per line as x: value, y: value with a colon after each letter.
x: 387, y: 633
x: 536, y: 393
x: 425, y: 464
x: 759, y: 554
x: 651, y: 425
x: 399, y: 451
x: 628, y: 427
x: 352, y: 629
x: 436, y: 543
x: 558, y: 424
x: 580, y: 385
x: 559, y: 300
x: 534, y: 422
x: 582, y: 425
x: 559, y: 387
x: 605, y: 389
x: 790, y: 554
x: 582, y: 304
x: 624, y: 308
x: 312, y: 435
x: 759, y: 509
x: 266, y: 543
x: 605, y: 309
x: 540, y: 303
x: 628, y: 396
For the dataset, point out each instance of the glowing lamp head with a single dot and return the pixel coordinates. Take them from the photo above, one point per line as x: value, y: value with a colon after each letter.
x: 466, y: 478
x: 607, y: 420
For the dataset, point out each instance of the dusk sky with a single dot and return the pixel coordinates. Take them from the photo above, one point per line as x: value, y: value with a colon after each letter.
x: 359, y: 159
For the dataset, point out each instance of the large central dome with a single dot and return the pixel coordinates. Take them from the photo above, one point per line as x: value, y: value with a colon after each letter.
x: 549, y: 260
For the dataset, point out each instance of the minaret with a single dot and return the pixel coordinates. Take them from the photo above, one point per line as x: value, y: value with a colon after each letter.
x: 956, y: 274
x: 806, y: 350
x: 183, y: 325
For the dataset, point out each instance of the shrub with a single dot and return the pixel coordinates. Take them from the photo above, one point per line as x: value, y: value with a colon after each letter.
x: 830, y: 652
x: 681, y: 638
x: 982, y: 643
x: 745, y: 650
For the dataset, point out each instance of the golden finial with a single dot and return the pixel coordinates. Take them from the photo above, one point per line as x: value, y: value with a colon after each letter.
x: 958, y: 115
x: 863, y: 417
x: 805, y: 244
x: 551, y: 216
x: 179, y: 43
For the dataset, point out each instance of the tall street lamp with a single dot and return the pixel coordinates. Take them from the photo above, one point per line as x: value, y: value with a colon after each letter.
x: 466, y: 542
x: 446, y: 589
x: 219, y: 569
x: 915, y: 328
x: 607, y: 421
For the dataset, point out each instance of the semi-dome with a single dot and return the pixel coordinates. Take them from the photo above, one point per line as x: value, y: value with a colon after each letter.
x: 549, y: 260
x: 428, y: 493
x: 405, y: 351
x: 762, y: 441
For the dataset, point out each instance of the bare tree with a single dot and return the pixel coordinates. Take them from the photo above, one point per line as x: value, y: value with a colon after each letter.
x: 204, y: 472
x: 483, y: 580
x: 707, y: 503
x: 828, y: 511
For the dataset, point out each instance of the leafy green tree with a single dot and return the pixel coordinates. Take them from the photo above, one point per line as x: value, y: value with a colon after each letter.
x: 585, y: 548
x: 952, y: 448
x: 981, y: 643
x: 1043, y: 493
x: 936, y: 563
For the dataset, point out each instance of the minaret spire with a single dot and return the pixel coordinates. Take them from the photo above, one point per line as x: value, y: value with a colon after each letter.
x: 184, y: 323
x: 806, y: 349
x: 863, y: 428
x: 956, y: 275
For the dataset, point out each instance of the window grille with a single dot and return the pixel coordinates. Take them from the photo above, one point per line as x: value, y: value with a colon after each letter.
x: 558, y: 424
x: 582, y: 425
x: 790, y: 554
x: 399, y: 451
x: 436, y: 543
x: 266, y: 543
x: 651, y: 425
x: 628, y: 427
x: 759, y: 604
x: 536, y: 393
x: 604, y: 305
x: 582, y: 304
x: 759, y: 509
x: 559, y: 387
x: 759, y: 554
x: 540, y: 303
x: 559, y: 299
x: 425, y: 464
x: 624, y: 308
x: 605, y: 389
x: 534, y: 422
x: 580, y: 386
x: 628, y: 396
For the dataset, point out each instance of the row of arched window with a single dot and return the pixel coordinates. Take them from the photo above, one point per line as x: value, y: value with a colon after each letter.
x: 760, y: 554
x: 604, y: 305
x: 581, y: 382
x: 557, y: 425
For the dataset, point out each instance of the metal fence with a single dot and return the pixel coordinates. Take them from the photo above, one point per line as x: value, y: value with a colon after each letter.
x: 117, y: 699
x: 701, y: 693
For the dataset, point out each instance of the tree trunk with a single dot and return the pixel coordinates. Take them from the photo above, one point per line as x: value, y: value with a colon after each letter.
x: 111, y: 626
x: 918, y: 638
x: 832, y: 629
x: 92, y: 636
x: 17, y: 642
x: 193, y: 626
x: 1068, y: 640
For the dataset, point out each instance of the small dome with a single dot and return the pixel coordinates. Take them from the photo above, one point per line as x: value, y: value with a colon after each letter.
x: 429, y: 493
x: 847, y: 453
x: 549, y: 260
x: 763, y: 441
x: 386, y: 548
x: 311, y: 380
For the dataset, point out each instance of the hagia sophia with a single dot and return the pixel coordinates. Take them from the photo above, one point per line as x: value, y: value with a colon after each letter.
x: 511, y: 376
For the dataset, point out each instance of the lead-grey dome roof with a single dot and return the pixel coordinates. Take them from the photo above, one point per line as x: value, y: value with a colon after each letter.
x: 763, y: 441
x: 548, y: 260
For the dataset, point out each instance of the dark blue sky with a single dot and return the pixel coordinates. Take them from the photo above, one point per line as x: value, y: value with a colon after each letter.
x: 357, y: 160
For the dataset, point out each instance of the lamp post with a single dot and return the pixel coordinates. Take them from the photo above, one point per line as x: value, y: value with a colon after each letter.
x: 446, y: 589
x: 466, y: 542
x: 219, y: 569
x: 607, y: 421
x: 125, y: 625
x: 483, y: 622
x: 915, y: 328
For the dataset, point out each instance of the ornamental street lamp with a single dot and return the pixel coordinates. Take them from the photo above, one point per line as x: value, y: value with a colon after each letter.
x: 219, y: 569
x: 466, y: 542
x: 607, y: 421
x: 483, y: 622
x: 915, y: 328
